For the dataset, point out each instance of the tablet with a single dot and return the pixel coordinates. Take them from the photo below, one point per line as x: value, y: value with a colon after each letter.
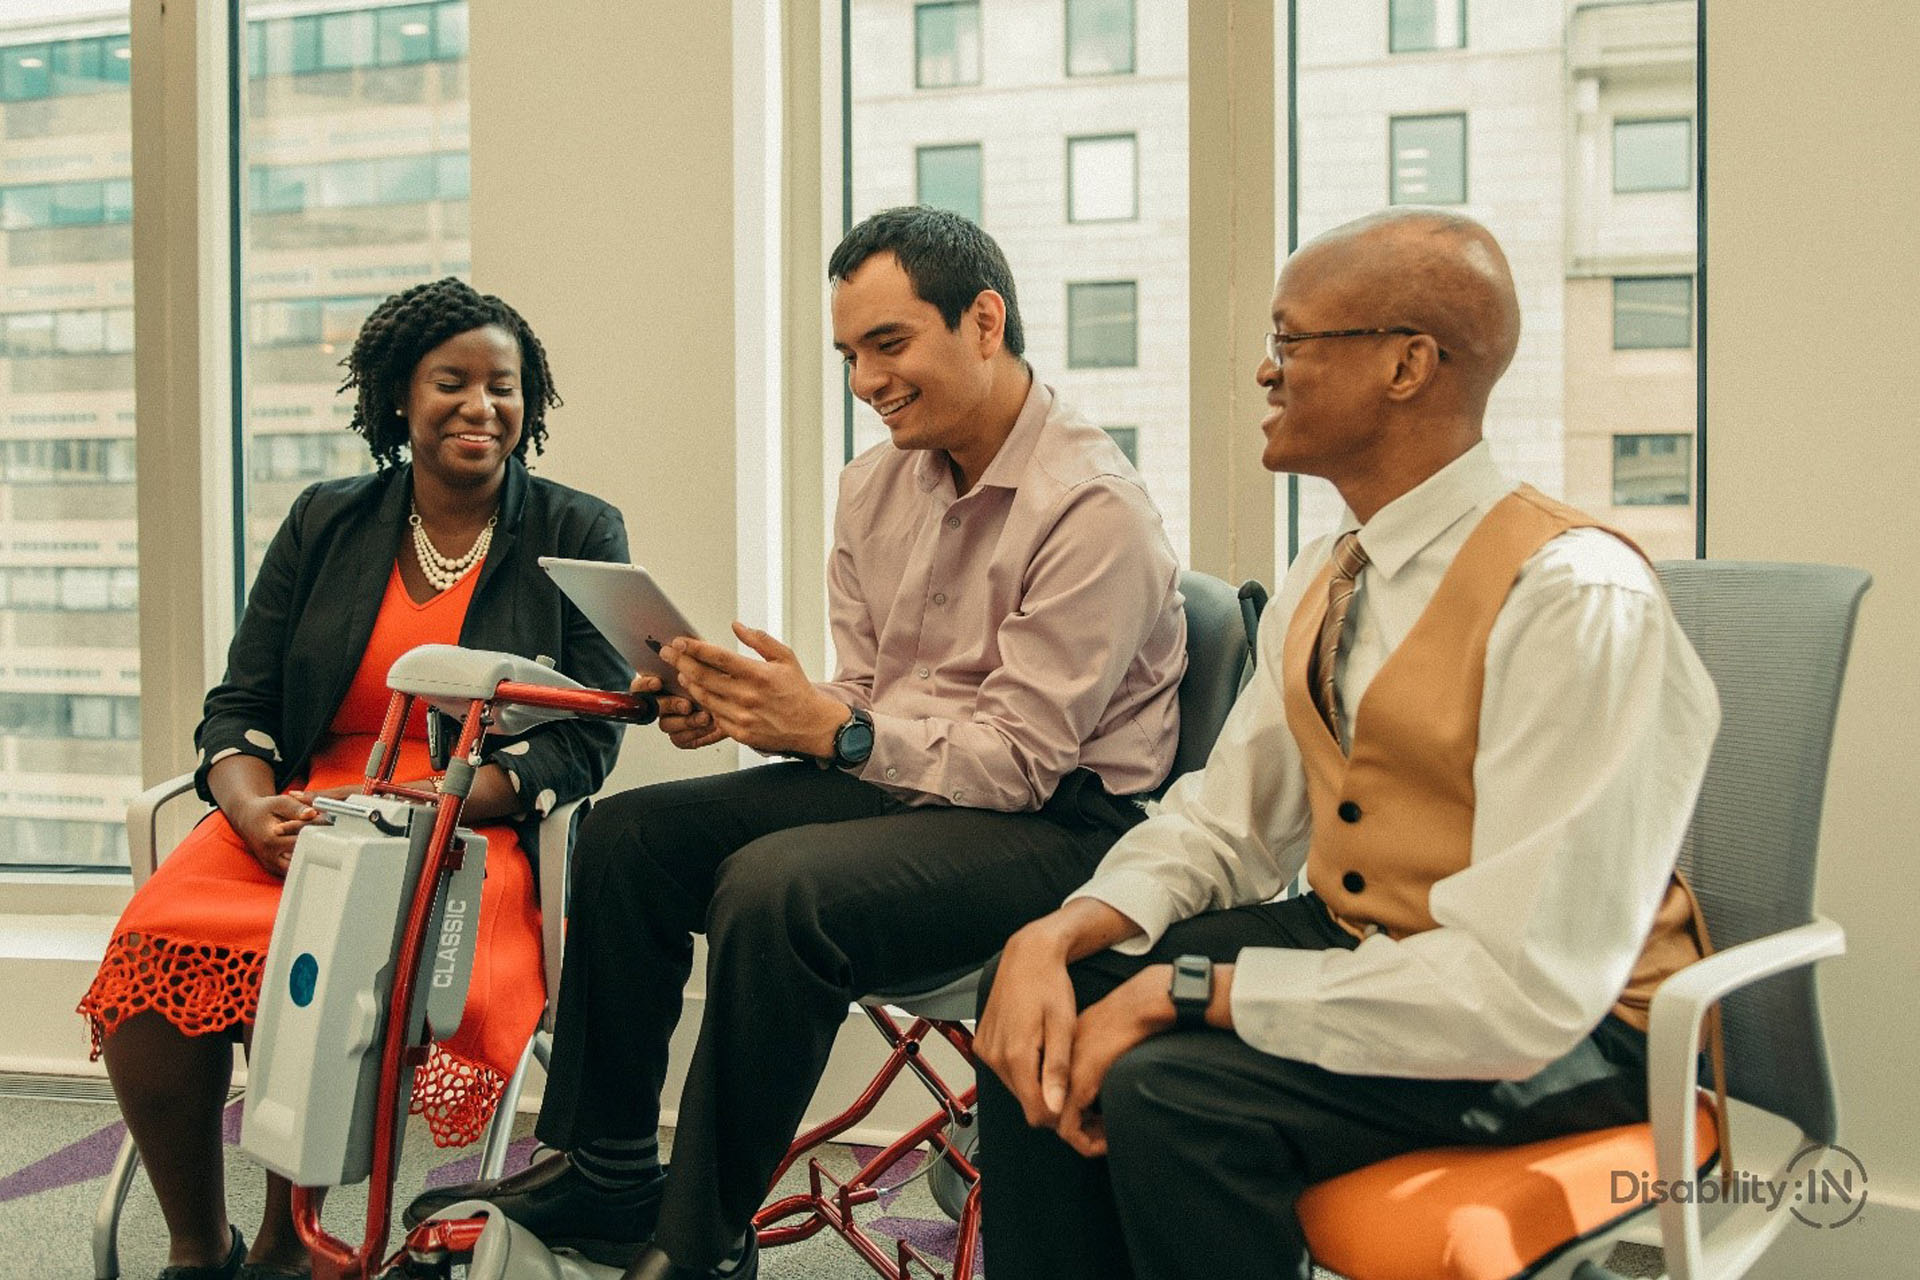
x: 628, y: 607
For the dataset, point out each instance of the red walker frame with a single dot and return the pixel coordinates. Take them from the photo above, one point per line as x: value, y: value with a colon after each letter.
x: 334, y: 1259
x: 830, y: 1203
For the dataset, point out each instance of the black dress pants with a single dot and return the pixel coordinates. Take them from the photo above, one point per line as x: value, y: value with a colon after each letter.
x: 813, y: 889
x: 1210, y: 1141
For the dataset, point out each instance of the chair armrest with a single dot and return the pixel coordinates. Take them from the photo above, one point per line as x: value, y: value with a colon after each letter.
x: 556, y: 864
x: 1679, y: 1007
x: 143, y: 820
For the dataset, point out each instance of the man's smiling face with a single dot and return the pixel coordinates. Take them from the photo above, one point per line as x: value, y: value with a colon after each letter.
x: 929, y: 384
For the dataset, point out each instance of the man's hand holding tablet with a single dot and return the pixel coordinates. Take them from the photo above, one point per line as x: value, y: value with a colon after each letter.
x: 767, y: 703
x: 705, y: 692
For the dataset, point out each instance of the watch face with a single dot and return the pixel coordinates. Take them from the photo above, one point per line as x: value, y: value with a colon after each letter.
x: 854, y: 742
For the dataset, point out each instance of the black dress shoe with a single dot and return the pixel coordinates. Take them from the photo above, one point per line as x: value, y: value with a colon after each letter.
x: 224, y: 1270
x: 654, y: 1264
x: 556, y: 1202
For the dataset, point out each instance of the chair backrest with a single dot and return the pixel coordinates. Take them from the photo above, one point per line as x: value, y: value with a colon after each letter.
x: 1774, y: 637
x: 1219, y: 655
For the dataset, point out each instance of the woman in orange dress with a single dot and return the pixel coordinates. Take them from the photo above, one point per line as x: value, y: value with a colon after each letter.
x: 438, y: 549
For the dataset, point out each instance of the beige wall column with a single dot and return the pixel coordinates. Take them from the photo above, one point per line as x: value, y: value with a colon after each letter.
x: 1812, y: 277
x: 1232, y: 219
x: 603, y: 209
x: 182, y: 368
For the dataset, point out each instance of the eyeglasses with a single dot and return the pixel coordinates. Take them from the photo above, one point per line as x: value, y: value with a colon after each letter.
x: 1277, y: 343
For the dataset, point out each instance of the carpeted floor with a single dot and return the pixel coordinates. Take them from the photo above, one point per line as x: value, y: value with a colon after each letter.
x: 55, y: 1154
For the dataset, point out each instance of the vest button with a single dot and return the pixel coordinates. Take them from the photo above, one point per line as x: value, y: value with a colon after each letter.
x: 1349, y: 811
x: 1353, y: 882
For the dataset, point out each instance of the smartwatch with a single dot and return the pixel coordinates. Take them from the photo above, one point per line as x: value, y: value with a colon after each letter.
x: 1191, y: 990
x: 854, y: 741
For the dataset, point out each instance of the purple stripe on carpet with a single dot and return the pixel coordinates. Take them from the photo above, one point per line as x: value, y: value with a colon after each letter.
x: 467, y: 1168
x: 89, y: 1158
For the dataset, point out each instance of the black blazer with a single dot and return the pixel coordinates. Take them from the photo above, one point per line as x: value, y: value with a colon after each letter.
x: 312, y: 609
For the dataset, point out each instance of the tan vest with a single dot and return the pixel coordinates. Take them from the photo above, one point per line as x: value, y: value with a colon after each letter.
x: 1396, y: 815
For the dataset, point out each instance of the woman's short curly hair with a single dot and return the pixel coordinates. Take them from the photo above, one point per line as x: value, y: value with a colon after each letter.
x: 403, y: 329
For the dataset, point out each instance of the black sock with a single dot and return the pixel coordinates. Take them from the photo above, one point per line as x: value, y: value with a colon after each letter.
x: 614, y: 1164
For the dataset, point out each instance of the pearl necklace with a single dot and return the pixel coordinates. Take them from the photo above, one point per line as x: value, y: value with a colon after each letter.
x: 441, y: 571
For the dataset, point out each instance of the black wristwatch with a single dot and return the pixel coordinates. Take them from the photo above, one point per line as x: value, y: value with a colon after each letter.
x: 1191, y: 990
x: 854, y: 741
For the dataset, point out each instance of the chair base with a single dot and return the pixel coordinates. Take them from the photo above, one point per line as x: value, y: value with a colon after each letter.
x: 829, y: 1203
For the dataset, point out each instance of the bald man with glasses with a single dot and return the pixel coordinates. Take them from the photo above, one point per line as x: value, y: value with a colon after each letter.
x: 1477, y: 727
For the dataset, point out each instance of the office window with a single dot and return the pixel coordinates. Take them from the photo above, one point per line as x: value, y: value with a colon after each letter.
x: 946, y: 45
x: 1653, y: 155
x: 1079, y: 180
x: 1102, y: 325
x: 404, y: 35
x: 326, y: 241
x: 69, y: 626
x: 24, y: 72
x: 1099, y: 37
x: 1429, y: 160
x: 1414, y: 26
x: 1653, y: 470
x: 949, y: 178
x: 1103, y: 178
x: 1128, y: 438
x: 1652, y: 311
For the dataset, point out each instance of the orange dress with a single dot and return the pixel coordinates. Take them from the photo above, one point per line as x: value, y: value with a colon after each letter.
x: 192, y: 943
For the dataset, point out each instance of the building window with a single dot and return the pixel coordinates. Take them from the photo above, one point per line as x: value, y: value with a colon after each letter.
x: 1429, y: 160
x: 946, y: 45
x: 1128, y: 438
x: 1415, y: 26
x: 66, y: 204
x: 1099, y: 37
x: 1103, y: 178
x: 1653, y: 471
x: 1653, y: 155
x: 1652, y: 312
x: 350, y: 184
x: 67, y: 461
x: 949, y: 178
x: 1102, y: 325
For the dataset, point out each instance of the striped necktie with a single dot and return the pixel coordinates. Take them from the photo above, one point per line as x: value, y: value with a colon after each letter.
x: 1349, y: 558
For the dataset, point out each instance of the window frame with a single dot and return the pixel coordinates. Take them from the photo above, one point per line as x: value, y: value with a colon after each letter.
x: 980, y: 61
x: 1133, y: 43
x: 1133, y: 288
x: 1133, y: 215
x: 1617, y: 281
x: 1393, y: 47
x: 1393, y: 158
x: 920, y: 153
x: 1687, y: 161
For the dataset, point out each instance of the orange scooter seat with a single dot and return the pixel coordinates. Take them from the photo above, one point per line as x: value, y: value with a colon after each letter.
x: 1482, y: 1213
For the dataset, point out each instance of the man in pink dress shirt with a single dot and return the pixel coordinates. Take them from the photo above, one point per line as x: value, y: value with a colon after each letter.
x: 1010, y: 639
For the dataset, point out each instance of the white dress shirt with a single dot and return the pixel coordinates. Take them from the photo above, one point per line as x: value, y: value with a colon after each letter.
x: 1595, y: 726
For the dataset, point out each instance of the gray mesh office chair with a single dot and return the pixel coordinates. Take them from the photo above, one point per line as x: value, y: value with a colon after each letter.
x: 1775, y: 639
x: 143, y: 855
x: 1221, y: 624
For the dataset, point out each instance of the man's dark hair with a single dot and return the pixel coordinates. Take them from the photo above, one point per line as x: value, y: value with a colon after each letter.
x: 403, y: 329
x: 948, y: 259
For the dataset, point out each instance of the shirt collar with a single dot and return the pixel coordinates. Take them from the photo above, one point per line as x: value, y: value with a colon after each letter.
x: 1404, y: 527
x: 1009, y: 465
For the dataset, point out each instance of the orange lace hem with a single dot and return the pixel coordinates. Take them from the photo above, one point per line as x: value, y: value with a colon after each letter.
x: 204, y: 989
